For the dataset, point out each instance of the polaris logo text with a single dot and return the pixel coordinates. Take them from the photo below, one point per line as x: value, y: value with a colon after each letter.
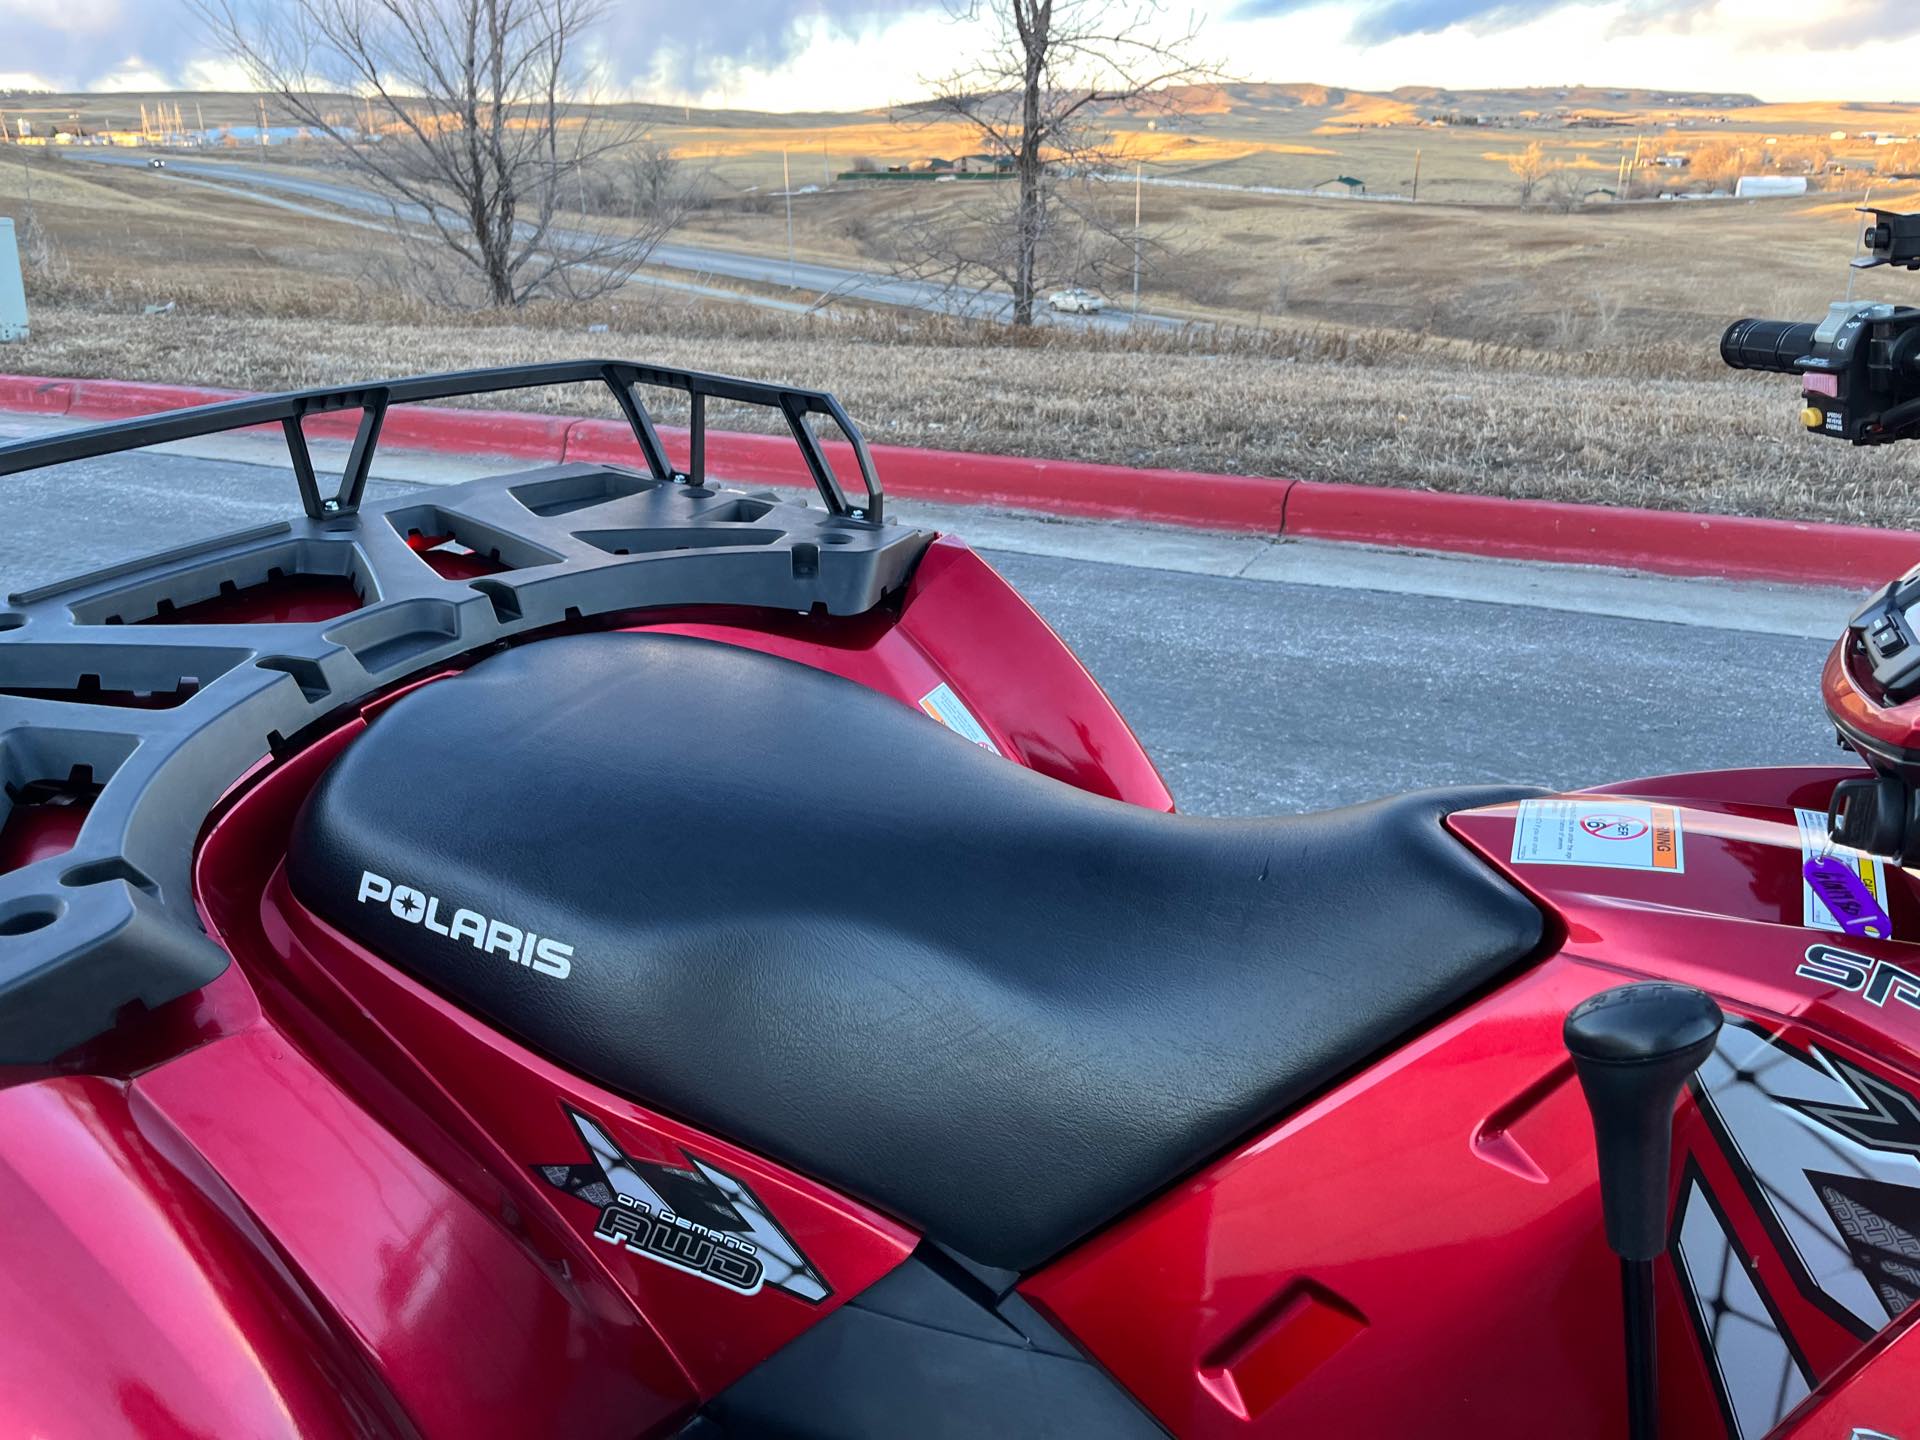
x: 490, y: 937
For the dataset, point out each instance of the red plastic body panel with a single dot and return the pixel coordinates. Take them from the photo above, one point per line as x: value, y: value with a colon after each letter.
x: 488, y: 1111
x: 964, y: 626
x: 313, y: 1199
x: 1888, y: 736
x: 304, y: 1201
x: 1447, y: 1279
x: 1419, y: 1251
x: 33, y: 832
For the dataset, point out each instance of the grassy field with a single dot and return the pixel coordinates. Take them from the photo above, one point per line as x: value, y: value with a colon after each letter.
x: 1442, y: 415
x: 1459, y: 347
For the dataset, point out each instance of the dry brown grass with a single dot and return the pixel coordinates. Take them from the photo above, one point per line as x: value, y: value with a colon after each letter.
x: 1487, y: 423
x: 1457, y: 350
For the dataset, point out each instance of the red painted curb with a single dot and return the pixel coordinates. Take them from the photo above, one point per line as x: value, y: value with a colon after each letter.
x: 30, y: 393
x: 1672, y: 542
x: 119, y: 399
x: 1665, y: 541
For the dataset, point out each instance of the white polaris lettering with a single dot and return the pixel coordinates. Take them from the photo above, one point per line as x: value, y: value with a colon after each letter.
x: 550, y: 957
x: 488, y: 936
x: 502, y: 938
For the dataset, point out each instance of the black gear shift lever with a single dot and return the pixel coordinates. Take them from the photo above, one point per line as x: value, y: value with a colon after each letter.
x: 1633, y: 1049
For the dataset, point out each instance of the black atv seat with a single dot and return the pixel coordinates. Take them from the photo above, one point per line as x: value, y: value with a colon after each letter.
x: 810, y: 919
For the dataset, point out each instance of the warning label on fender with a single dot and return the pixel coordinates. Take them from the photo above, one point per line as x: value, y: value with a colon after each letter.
x: 948, y: 708
x: 1816, y: 843
x: 1614, y: 834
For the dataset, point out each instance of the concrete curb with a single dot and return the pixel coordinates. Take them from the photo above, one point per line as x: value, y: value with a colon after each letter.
x: 1664, y: 541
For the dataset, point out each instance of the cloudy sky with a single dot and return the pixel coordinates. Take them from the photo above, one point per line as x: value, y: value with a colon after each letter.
x: 842, y: 54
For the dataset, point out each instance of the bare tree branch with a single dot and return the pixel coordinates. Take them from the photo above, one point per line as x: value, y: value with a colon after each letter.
x: 1042, y: 98
x: 483, y: 133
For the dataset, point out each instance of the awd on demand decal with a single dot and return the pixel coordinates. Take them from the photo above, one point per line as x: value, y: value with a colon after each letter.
x: 699, y: 1220
x: 489, y: 937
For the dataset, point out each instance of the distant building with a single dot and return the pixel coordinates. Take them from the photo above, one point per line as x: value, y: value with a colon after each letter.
x: 253, y: 135
x: 1755, y: 187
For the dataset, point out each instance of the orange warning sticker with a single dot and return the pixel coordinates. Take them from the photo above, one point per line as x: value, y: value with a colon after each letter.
x: 1600, y: 831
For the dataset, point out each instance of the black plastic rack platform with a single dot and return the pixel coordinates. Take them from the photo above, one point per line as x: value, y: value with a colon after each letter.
x: 111, y: 684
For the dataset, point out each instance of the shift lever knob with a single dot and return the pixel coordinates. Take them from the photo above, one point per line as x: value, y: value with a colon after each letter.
x: 1633, y: 1049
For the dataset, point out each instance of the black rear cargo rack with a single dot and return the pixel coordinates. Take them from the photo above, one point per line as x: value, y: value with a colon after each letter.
x: 134, y: 692
x: 290, y: 410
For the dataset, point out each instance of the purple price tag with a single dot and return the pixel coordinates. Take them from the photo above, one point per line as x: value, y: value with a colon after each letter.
x: 1847, y: 897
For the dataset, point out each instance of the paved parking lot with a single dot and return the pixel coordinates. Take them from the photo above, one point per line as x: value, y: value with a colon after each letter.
x: 1254, y: 693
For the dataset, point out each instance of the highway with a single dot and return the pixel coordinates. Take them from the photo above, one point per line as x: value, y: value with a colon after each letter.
x: 1263, y: 678
x: 821, y: 282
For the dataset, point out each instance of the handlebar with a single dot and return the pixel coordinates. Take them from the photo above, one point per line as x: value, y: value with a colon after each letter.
x: 1774, y: 345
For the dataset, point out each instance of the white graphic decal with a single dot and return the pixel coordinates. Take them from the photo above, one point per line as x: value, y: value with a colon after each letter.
x: 1833, y: 1156
x: 1759, y: 1377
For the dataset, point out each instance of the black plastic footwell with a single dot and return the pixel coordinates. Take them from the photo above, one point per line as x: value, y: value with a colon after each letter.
x: 937, y: 1350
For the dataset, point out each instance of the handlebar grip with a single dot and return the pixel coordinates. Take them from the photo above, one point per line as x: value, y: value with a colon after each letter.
x: 1775, y: 345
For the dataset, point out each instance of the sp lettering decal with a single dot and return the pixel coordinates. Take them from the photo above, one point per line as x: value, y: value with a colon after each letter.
x: 698, y: 1220
x: 1878, y: 982
x: 541, y: 953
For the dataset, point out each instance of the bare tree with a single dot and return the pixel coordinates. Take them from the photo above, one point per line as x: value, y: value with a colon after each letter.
x: 1565, y: 191
x: 644, y: 180
x: 1041, y: 99
x: 482, y: 131
x: 1529, y: 168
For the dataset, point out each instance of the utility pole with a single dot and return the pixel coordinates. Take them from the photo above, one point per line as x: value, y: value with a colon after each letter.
x: 1416, y: 174
x: 1633, y: 169
x: 786, y: 183
x: 200, y: 120
x: 262, y: 100
x: 1859, y: 242
x: 1136, y: 239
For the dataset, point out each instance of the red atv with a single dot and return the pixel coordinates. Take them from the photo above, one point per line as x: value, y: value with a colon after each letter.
x: 596, y: 953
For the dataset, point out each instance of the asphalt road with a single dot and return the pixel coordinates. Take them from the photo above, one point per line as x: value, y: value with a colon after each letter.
x: 819, y: 280
x: 1254, y: 696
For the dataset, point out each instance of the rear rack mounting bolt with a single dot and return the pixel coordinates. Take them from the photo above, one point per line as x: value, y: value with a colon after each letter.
x: 332, y: 507
x: 856, y: 514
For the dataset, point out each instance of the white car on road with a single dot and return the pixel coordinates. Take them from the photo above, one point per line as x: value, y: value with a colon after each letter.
x: 1076, y: 301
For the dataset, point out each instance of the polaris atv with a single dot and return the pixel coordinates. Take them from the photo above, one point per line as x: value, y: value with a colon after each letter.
x: 593, y: 952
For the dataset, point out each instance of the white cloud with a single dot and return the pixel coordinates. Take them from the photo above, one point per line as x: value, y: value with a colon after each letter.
x: 857, y: 54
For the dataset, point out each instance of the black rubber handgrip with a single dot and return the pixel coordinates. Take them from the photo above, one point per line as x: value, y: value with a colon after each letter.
x: 1775, y: 345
